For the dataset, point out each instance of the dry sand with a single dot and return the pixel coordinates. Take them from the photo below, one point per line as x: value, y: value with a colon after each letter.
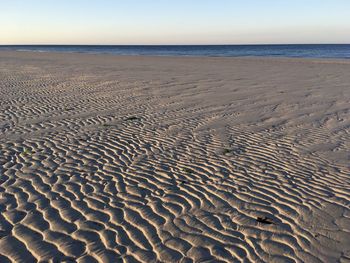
x: 159, y: 159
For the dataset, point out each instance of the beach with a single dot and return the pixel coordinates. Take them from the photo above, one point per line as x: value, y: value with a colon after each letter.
x: 173, y: 159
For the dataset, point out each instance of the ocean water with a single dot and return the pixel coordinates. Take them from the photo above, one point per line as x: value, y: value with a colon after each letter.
x: 302, y: 51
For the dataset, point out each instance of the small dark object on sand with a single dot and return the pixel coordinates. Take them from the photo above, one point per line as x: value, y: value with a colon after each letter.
x: 68, y: 109
x: 226, y: 151
x: 187, y: 170
x: 132, y: 118
x: 265, y: 220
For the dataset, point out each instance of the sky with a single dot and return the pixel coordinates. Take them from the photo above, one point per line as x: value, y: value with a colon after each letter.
x: 147, y: 22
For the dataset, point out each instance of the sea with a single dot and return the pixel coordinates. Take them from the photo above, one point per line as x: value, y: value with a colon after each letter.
x: 296, y: 51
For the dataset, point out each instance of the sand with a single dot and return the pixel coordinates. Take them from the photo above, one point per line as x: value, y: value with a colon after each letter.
x: 159, y: 159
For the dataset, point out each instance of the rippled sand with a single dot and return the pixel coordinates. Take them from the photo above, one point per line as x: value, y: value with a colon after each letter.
x: 141, y: 159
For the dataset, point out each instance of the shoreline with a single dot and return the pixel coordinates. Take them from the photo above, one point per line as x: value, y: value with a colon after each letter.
x: 259, y: 58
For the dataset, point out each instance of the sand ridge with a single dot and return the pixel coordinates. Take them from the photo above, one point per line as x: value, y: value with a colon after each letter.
x: 159, y: 159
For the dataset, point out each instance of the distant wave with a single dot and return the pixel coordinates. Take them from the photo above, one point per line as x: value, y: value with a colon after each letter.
x: 30, y: 50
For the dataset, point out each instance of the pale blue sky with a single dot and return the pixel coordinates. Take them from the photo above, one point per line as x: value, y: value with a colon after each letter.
x: 174, y: 22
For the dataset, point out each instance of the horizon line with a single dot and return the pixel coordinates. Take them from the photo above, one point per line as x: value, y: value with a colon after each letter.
x: 247, y: 44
